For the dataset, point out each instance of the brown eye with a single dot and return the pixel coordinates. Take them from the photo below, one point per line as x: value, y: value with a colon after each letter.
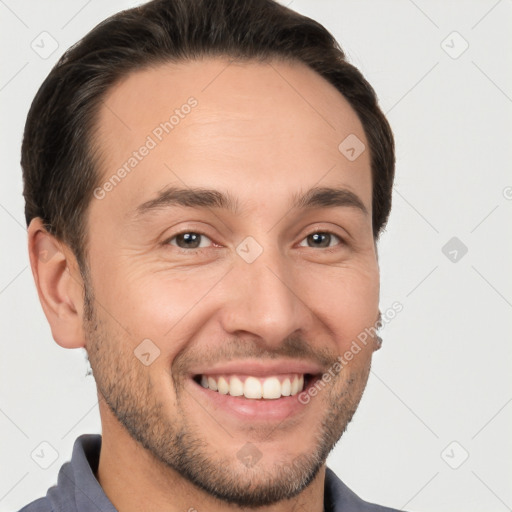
x: 189, y: 240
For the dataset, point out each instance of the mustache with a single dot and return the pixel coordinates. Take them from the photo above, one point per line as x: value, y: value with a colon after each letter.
x: 293, y: 347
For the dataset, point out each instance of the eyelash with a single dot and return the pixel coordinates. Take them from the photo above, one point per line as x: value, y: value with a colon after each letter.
x: 200, y: 249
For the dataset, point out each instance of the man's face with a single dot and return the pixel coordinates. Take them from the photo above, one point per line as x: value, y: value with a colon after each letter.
x: 254, y: 298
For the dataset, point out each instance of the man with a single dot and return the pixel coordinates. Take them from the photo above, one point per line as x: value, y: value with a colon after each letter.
x: 205, y: 185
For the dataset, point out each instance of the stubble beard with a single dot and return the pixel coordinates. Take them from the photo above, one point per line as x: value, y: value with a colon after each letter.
x: 125, y: 385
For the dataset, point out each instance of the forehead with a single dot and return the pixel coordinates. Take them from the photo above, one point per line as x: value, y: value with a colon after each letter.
x: 260, y: 130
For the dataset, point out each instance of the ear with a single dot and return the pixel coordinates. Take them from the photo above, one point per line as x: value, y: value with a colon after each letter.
x: 377, y: 343
x: 59, y: 285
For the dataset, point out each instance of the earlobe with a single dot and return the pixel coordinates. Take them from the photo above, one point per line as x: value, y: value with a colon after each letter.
x: 59, y: 285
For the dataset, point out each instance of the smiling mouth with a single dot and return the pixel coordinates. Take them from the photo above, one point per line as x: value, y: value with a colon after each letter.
x: 255, y: 388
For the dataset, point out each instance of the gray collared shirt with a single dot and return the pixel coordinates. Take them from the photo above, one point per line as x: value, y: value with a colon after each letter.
x: 77, y: 489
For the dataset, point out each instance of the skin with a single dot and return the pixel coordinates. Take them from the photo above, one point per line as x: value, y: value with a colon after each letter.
x: 263, y: 132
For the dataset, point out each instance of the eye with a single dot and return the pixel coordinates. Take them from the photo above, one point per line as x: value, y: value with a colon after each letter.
x: 322, y: 239
x: 193, y: 240
x: 188, y: 240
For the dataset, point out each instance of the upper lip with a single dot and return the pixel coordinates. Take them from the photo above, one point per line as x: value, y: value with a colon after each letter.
x: 260, y: 368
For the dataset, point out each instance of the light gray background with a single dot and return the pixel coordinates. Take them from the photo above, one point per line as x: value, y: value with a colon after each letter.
x: 443, y: 374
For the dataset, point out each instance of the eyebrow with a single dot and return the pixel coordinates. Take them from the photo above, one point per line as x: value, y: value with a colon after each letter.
x: 317, y: 197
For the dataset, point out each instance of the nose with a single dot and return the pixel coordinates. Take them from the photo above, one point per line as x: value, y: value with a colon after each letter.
x: 263, y: 299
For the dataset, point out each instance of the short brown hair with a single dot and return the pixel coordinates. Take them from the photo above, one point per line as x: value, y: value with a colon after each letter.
x: 60, y: 171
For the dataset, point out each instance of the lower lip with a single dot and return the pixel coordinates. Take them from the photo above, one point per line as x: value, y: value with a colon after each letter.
x: 254, y: 410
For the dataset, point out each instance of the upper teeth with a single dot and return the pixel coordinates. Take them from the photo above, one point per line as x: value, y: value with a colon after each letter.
x: 254, y: 387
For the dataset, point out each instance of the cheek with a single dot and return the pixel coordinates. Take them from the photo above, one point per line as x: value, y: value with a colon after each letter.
x: 346, y: 299
x: 152, y: 304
